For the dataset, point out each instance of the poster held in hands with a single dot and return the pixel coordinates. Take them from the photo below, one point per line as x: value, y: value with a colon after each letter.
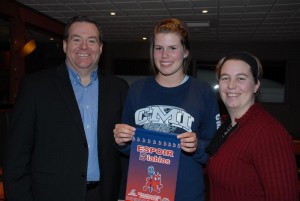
x: 153, y: 166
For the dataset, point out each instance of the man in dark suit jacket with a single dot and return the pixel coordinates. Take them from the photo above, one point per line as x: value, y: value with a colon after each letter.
x: 60, y: 145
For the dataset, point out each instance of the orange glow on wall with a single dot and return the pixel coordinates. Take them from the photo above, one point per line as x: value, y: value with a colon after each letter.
x: 28, y: 48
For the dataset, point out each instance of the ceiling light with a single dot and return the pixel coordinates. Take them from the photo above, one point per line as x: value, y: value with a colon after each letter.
x: 144, y: 38
x: 112, y: 13
x: 198, y: 24
x: 204, y: 11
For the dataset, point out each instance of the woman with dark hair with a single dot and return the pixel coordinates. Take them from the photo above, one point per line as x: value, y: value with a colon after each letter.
x: 173, y: 102
x: 252, y: 155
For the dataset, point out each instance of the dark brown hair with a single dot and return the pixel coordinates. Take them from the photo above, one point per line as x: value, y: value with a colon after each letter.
x: 82, y: 19
x: 250, y: 59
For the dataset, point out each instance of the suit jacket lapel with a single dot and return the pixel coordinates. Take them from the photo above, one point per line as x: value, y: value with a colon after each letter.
x: 65, y: 89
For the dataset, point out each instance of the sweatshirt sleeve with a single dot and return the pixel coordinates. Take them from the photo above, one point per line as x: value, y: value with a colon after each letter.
x: 211, y: 121
x: 127, y: 118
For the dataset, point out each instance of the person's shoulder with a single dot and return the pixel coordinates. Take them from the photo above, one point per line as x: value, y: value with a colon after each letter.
x: 109, y: 76
x: 201, y: 86
x: 269, y: 118
x: 200, y: 83
x: 140, y: 81
x: 266, y: 120
x: 112, y: 80
x: 44, y: 74
x: 139, y: 85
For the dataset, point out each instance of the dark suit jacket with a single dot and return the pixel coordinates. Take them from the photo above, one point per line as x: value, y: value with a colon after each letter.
x: 46, y: 155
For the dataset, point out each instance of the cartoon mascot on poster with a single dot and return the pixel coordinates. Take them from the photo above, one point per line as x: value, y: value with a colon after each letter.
x: 153, y: 182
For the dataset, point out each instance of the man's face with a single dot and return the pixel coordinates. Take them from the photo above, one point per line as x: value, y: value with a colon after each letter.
x: 83, y: 48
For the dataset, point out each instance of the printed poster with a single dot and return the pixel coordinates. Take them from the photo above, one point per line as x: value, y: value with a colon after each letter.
x: 153, y: 166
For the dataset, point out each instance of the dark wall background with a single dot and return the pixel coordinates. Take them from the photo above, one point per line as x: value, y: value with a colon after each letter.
x: 4, y: 118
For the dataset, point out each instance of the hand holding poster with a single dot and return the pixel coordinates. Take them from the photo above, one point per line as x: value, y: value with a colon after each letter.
x: 153, y: 166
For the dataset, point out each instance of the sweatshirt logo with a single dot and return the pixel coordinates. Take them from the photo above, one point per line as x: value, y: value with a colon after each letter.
x: 164, y: 118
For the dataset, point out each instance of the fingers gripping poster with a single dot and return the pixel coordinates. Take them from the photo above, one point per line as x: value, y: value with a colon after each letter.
x: 153, y: 166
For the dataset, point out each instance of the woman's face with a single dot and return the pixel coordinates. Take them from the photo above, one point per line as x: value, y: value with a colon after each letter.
x: 168, y: 54
x: 237, y: 86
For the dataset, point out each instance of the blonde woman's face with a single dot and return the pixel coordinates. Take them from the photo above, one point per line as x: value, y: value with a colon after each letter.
x: 168, y: 53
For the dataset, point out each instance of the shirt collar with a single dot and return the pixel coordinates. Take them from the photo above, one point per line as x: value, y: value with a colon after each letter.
x: 76, y: 79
